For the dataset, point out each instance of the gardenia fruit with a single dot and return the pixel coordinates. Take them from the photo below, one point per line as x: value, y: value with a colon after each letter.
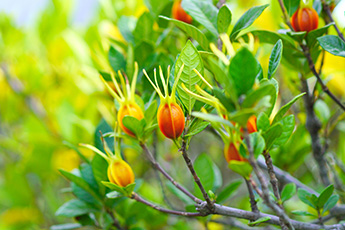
x: 178, y: 13
x: 120, y: 173
x: 305, y: 19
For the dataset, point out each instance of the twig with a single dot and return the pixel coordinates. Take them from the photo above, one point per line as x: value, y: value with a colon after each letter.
x: 253, y: 205
x: 285, y: 177
x: 284, y: 219
x: 116, y: 223
x: 190, y: 166
x: 169, y: 211
x: 273, y: 178
x: 160, y: 169
x: 326, y: 8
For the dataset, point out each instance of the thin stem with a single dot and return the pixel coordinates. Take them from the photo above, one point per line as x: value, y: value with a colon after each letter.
x: 253, y: 205
x: 273, y: 178
x: 161, y: 170
x: 116, y: 223
x: 190, y: 166
x: 326, y: 8
x: 284, y: 219
x: 168, y: 211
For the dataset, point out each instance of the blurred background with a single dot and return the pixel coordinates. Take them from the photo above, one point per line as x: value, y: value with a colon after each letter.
x: 51, y: 95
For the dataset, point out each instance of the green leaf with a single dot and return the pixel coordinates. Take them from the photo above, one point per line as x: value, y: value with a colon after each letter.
x: 285, y: 108
x: 228, y: 191
x: 275, y: 58
x: 331, y: 202
x: 87, y: 175
x: 183, y: 197
x: 291, y: 6
x: 203, y: 12
x: 114, y: 187
x: 297, y: 36
x: 303, y: 213
x: 241, y: 167
x: 305, y: 197
x: 212, y: 118
x: 203, y: 166
x: 259, y: 221
x: 192, y: 60
x: 241, y: 116
x: 66, y: 226
x: 144, y: 29
x: 134, y: 125
x: 263, y: 122
x: 226, y: 101
x: 272, y: 134
x: 74, y: 208
x: 288, y: 124
x: 197, y: 128
x: 126, y: 26
x: 191, y: 31
x: 218, y: 180
x: 80, y: 182
x: 156, y: 6
x: 224, y: 19
x: 332, y: 44
x: 103, y: 127
x: 151, y: 112
x: 288, y: 191
x: 265, y: 89
x: 257, y: 142
x: 99, y: 169
x: 75, y: 148
x: 322, y: 111
x: 113, y: 195
x: 116, y: 60
x: 324, y: 196
x: 129, y: 189
x: 243, y: 69
x: 246, y: 20
x: 314, y: 34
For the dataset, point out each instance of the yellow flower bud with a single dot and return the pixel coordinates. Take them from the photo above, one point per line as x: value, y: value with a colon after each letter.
x: 120, y: 173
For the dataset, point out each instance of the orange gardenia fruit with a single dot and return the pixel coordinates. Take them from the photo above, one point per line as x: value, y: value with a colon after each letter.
x: 130, y: 109
x: 251, y: 124
x: 231, y: 153
x: 305, y: 19
x: 120, y: 173
x: 178, y: 13
x: 171, y: 120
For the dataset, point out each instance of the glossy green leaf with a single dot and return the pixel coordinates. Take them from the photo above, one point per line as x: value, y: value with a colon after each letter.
x: 191, y: 31
x: 285, y: 108
x: 203, y: 166
x: 191, y: 59
x: 257, y: 142
x: 197, y: 128
x: 151, y: 112
x: 228, y: 191
x: 331, y: 202
x: 66, y: 226
x: 297, y: 36
x: 226, y: 101
x: 332, y: 44
x: 224, y: 19
x: 183, y: 197
x: 74, y: 208
x: 272, y: 134
x: 291, y: 6
x: 288, y: 124
x: 246, y: 20
x: 275, y: 58
x: 116, y: 60
x: 305, y: 197
x: 144, y: 28
x: 263, y: 122
x: 314, y: 34
x: 243, y: 69
x: 324, y: 196
x: 212, y: 118
x: 241, y: 167
x: 288, y: 191
x: 203, y: 12
x: 134, y: 125
x: 265, y: 89
x: 80, y: 182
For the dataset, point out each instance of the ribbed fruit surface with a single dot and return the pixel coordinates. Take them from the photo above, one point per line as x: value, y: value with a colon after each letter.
x: 170, y: 120
x: 120, y: 173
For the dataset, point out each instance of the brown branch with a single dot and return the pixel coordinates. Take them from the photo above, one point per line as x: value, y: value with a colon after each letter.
x: 285, y: 222
x: 190, y: 166
x: 168, y: 211
x: 253, y: 205
x: 273, y: 178
x: 161, y: 170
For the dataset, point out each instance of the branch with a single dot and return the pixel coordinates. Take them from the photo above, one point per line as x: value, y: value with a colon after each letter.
x: 190, y: 166
x: 326, y: 8
x: 168, y: 211
x: 253, y: 205
x: 283, y: 218
x: 160, y: 169
x: 273, y: 178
